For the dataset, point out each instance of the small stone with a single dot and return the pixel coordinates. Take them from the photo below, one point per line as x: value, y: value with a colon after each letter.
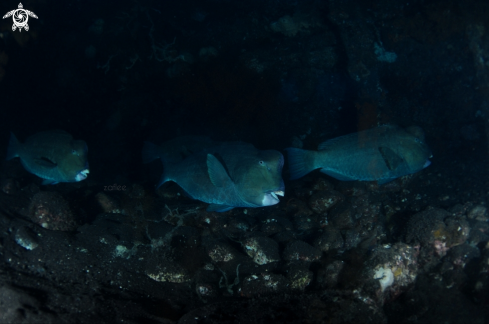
x: 262, y: 250
x: 263, y: 284
x: 328, y: 276
x: 322, y: 201
x: 299, y: 277
x: 299, y: 250
x: 322, y: 184
x: 341, y: 216
x: 478, y: 213
x: 108, y: 203
x: 220, y: 252
x: 331, y: 239
x: 271, y: 226
x: 9, y: 186
x: 170, y: 272
x: 51, y: 211
x: 25, y: 238
x: 206, y: 290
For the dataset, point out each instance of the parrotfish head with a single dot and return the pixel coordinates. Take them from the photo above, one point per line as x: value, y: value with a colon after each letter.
x: 261, y: 182
x: 417, y: 152
x: 73, y: 164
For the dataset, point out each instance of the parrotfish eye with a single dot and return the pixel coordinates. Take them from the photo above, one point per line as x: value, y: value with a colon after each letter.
x: 73, y: 152
x: 262, y: 163
x: 417, y: 140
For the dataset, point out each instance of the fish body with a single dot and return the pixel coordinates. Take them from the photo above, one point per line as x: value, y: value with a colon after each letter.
x: 51, y: 155
x: 177, y: 149
x: 380, y: 154
x: 225, y: 175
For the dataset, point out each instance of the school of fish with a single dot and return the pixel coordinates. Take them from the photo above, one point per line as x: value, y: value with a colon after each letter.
x: 236, y: 174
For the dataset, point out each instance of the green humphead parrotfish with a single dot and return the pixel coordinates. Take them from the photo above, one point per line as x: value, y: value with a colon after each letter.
x: 380, y: 154
x: 51, y: 155
x: 224, y: 175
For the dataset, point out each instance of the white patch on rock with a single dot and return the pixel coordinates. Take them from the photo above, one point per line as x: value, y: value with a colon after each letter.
x: 386, y: 277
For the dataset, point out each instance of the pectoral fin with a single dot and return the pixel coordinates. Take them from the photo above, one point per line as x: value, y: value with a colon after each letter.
x: 217, y: 173
x: 45, y: 163
x: 392, y: 159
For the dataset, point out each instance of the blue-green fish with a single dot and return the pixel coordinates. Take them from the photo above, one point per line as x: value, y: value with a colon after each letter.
x: 225, y: 175
x: 51, y: 155
x: 380, y: 154
x: 176, y: 149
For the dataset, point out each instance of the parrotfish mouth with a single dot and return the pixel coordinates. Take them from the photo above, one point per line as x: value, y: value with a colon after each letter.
x: 82, y: 175
x: 277, y: 193
x: 270, y: 197
x: 427, y: 163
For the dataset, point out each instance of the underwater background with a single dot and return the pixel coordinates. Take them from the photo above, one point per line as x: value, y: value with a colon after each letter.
x: 276, y: 74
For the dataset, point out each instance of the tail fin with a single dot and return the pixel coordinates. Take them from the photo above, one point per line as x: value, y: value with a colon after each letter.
x: 151, y: 152
x: 13, y: 147
x: 167, y: 167
x: 299, y: 162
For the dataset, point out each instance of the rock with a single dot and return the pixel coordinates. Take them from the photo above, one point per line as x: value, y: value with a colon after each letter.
x: 478, y: 213
x: 273, y: 225
x: 330, y: 239
x: 206, y: 290
x: 221, y: 252
x: 263, y: 284
x: 51, y: 211
x: 352, y: 238
x: 108, y: 203
x: 439, y: 228
x: 299, y: 276
x: 10, y: 186
x: 262, y: 250
x: 298, y: 208
x: 168, y: 271
x: 341, y: 216
x: 322, y: 184
x: 17, y: 306
x: 26, y: 238
x: 352, y: 188
x: 328, y: 276
x: 389, y: 271
x: 322, y: 201
x: 304, y: 223
x: 299, y: 250
x: 478, y: 232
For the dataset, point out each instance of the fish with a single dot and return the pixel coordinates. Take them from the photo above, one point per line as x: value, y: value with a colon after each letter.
x: 225, y: 175
x: 177, y: 149
x: 51, y: 155
x: 379, y: 154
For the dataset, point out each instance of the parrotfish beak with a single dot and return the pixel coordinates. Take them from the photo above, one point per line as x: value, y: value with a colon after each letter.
x: 271, y: 198
x: 82, y: 175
